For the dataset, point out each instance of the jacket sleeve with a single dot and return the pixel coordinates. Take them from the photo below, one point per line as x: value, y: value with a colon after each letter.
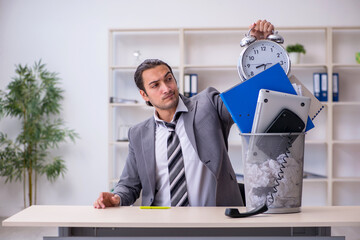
x: 129, y: 185
x: 223, y: 113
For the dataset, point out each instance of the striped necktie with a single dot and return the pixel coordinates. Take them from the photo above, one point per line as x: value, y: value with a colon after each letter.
x: 178, y: 189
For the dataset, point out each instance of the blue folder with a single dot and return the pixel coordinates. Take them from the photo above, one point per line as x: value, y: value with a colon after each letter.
x: 241, y: 100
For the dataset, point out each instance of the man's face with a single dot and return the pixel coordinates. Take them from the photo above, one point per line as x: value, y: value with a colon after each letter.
x: 161, y: 88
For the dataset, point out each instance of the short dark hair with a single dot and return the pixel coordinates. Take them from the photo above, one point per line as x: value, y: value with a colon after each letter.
x: 147, y: 64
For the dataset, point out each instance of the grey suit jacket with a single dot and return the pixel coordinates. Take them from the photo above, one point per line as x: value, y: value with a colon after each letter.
x: 207, y: 124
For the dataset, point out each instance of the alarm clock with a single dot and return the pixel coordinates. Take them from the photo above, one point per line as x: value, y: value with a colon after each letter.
x: 259, y: 55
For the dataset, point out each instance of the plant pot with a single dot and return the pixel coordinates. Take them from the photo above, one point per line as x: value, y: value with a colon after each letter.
x: 294, y: 57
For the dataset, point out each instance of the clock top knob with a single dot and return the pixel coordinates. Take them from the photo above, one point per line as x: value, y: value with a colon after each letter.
x: 276, y: 38
x: 248, y: 39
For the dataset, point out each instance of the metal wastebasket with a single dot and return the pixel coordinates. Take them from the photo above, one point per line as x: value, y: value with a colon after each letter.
x: 273, y: 170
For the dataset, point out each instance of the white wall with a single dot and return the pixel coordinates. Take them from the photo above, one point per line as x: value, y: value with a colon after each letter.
x: 71, y: 38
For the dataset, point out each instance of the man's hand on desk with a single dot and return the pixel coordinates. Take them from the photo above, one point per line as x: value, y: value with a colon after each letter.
x: 107, y: 199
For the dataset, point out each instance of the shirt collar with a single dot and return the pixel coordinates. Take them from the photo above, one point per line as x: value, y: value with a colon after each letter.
x: 179, y: 109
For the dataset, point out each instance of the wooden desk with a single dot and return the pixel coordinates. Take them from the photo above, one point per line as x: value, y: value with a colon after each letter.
x: 193, y: 221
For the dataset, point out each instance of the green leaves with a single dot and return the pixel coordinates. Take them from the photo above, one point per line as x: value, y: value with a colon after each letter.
x: 296, y: 48
x: 54, y: 169
x: 11, y: 164
x: 33, y: 96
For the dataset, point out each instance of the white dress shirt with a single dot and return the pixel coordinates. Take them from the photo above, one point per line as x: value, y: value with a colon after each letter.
x: 200, y: 181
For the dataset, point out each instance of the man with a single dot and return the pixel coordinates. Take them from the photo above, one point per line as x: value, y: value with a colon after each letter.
x: 179, y: 156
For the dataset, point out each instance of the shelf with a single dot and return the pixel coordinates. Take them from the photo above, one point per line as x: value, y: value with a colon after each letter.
x: 346, y: 65
x: 345, y: 44
x: 345, y: 155
x: 120, y: 143
x: 235, y: 143
x: 346, y: 193
x: 315, y: 180
x: 346, y: 103
x: 212, y: 77
x: 309, y: 65
x: 125, y: 44
x: 304, y: 65
x: 345, y: 127
x: 314, y: 192
x: 285, y: 28
x: 346, y: 141
x: 203, y: 47
x: 347, y: 28
x: 347, y: 180
x: 143, y: 30
x: 211, y: 67
x: 315, y: 142
x: 133, y: 68
x: 331, y: 149
x: 349, y: 87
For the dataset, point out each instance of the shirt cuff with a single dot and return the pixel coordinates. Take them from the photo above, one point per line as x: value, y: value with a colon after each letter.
x: 119, y: 198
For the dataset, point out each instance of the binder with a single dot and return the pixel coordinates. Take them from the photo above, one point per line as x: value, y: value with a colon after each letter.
x: 324, y: 87
x: 335, y: 87
x: 315, y: 106
x: 194, y: 84
x: 187, y: 86
x: 316, y: 85
x: 241, y: 99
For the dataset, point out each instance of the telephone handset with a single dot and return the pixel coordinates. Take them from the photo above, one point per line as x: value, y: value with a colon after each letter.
x: 234, y: 212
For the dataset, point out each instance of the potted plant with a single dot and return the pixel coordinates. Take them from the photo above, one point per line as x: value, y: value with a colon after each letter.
x: 33, y: 97
x: 294, y: 51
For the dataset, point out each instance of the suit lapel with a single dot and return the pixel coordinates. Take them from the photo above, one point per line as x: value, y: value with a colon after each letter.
x: 148, y: 146
x: 148, y: 140
x: 189, y: 121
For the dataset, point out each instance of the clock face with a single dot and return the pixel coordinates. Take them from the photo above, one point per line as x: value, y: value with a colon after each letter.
x: 261, y: 55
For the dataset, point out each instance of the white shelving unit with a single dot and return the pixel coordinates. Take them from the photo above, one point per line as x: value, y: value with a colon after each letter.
x: 331, y: 149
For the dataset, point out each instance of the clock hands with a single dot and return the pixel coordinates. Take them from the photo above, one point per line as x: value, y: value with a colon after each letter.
x: 263, y: 65
x: 266, y: 65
